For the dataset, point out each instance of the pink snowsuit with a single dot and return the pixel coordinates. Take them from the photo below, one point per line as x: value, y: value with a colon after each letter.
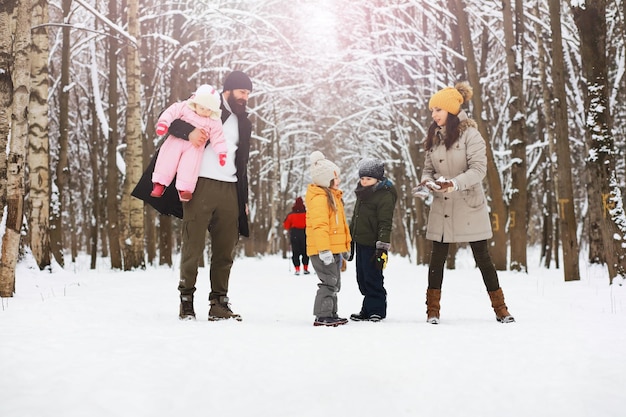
x: 178, y: 156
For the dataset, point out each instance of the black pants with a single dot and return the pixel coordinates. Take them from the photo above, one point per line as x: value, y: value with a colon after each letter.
x: 298, y: 246
x: 481, y: 256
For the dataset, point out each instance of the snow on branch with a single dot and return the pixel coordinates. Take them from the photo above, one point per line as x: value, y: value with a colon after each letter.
x: 107, y: 22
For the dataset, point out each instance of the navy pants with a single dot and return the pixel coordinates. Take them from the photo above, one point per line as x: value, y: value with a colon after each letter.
x: 370, y: 282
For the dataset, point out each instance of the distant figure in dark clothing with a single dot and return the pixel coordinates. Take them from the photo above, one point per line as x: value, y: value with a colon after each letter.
x: 295, y: 223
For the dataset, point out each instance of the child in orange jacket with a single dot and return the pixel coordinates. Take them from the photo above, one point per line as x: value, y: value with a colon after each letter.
x: 328, y: 236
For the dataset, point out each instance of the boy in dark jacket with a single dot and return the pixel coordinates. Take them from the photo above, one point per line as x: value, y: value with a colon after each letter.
x: 371, y: 231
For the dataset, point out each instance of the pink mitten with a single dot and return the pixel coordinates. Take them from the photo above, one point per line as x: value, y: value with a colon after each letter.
x: 161, y: 129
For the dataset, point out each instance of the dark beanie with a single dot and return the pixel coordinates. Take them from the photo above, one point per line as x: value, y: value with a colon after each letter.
x: 371, y: 167
x: 298, y: 206
x: 237, y: 80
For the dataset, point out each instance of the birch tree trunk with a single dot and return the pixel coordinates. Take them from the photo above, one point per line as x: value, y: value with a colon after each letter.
x: 606, y: 211
x: 132, y: 208
x: 7, y: 16
x: 518, y: 223
x: 565, y: 193
x: 20, y: 76
x: 38, y: 146
x: 498, y: 247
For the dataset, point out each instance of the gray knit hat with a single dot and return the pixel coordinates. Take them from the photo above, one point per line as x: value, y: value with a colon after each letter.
x: 372, y: 167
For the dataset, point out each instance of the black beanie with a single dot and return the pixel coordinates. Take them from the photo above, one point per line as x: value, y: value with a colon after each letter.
x: 371, y: 167
x: 237, y: 80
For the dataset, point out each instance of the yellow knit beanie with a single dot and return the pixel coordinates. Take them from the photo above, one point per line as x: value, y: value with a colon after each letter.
x: 450, y: 99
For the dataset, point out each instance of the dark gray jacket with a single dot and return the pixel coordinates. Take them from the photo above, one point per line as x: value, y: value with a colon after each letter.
x: 373, y: 213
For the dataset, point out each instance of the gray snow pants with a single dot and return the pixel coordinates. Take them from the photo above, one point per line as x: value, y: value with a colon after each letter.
x: 330, y: 283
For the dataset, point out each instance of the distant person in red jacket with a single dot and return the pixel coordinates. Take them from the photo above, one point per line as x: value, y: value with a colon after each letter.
x: 295, y: 223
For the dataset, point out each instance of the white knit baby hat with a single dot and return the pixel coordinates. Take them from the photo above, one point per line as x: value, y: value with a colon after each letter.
x: 207, y: 96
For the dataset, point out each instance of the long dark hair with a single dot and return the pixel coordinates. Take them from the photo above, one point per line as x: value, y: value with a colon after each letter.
x: 452, y: 132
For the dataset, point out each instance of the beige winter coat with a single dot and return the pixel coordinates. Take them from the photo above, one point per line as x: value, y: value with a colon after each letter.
x: 463, y: 215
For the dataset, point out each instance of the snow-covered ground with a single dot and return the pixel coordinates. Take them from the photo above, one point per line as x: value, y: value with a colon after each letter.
x: 101, y: 344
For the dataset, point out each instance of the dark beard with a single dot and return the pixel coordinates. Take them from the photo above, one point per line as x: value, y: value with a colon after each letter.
x: 237, y: 107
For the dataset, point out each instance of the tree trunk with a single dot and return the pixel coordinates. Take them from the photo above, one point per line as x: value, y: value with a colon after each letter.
x: 62, y: 170
x: 606, y: 211
x: 94, y: 146
x: 165, y: 240
x: 20, y: 76
x: 72, y: 220
x: 7, y: 16
x: 498, y: 247
x: 148, y: 69
x: 518, y: 223
x: 112, y: 183
x: 547, y: 238
x: 38, y: 146
x: 132, y: 208
x: 550, y: 241
x: 565, y: 194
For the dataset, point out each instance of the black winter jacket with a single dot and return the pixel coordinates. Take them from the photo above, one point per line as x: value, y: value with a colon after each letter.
x: 169, y: 203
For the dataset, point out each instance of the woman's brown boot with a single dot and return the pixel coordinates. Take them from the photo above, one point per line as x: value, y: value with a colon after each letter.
x: 497, y: 302
x: 432, y: 305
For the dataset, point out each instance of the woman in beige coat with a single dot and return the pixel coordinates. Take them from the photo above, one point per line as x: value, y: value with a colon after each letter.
x: 454, y: 167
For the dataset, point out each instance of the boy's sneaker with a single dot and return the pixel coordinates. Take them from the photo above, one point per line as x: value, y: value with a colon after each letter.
x: 307, y: 272
x: 220, y: 310
x: 186, y: 308
x: 375, y: 318
x: 329, y: 321
x: 157, y: 190
x: 358, y: 317
x: 361, y: 317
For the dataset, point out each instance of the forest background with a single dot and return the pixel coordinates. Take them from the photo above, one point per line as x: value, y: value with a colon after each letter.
x: 82, y: 83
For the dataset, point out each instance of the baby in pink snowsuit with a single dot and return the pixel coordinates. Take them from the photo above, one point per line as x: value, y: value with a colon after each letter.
x: 178, y: 156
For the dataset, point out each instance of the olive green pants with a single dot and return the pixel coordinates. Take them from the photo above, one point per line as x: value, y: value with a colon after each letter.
x: 213, y: 207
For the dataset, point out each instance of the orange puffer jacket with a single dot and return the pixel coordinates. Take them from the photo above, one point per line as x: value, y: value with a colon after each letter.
x: 325, y: 229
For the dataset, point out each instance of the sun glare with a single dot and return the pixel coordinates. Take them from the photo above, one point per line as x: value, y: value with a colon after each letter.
x: 319, y: 25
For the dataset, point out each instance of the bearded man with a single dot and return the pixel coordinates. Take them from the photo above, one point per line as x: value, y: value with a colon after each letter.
x: 219, y: 203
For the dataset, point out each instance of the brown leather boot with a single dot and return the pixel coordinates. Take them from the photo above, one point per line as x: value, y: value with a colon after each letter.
x: 220, y: 310
x: 499, y: 307
x: 432, y: 305
x: 186, y: 311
